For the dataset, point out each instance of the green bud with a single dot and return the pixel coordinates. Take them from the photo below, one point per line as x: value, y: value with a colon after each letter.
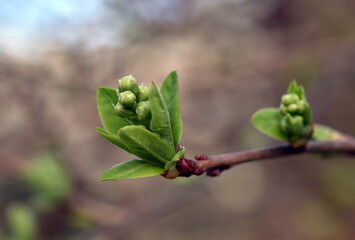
x: 143, y: 111
x: 288, y: 99
x: 302, y: 106
x: 297, y: 125
x: 128, y: 83
x: 286, y: 123
x: 123, y: 112
x: 143, y: 93
x: 127, y: 99
x: 283, y: 110
x: 293, y: 125
x: 292, y: 108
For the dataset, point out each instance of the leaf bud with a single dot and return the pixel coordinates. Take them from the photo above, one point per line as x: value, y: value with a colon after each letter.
x: 127, y: 99
x: 123, y: 112
x: 143, y: 93
x: 143, y: 111
x: 128, y: 83
x: 288, y: 99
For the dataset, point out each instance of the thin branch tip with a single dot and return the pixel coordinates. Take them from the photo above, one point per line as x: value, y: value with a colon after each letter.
x: 214, y: 165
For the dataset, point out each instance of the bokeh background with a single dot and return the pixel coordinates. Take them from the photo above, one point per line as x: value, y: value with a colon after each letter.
x: 232, y: 56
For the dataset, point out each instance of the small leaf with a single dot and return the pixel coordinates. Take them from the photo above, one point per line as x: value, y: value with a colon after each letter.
x: 146, y: 144
x: 268, y: 121
x: 132, y: 169
x: 324, y: 133
x: 179, y: 155
x: 292, y: 87
x: 160, y: 122
x: 106, y: 100
x: 295, y: 88
x: 170, y: 92
x: 112, y: 138
x: 170, y: 164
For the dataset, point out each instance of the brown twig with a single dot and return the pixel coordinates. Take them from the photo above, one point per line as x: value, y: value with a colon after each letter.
x: 215, y: 164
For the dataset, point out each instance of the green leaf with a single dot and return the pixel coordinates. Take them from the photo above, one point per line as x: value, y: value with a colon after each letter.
x: 295, y: 88
x: 106, y: 100
x: 292, y: 87
x: 170, y: 164
x: 112, y: 138
x: 179, y: 155
x: 323, y: 133
x: 22, y: 222
x: 160, y: 122
x: 268, y: 121
x: 170, y: 92
x: 132, y: 169
x: 146, y: 144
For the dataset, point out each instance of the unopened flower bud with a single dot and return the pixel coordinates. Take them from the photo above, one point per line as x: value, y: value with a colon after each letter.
x: 302, y: 106
x: 297, y: 125
x: 286, y: 123
x: 143, y: 111
x: 143, y: 93
x: 123, y: 112
x: 292, y: 108
x: 293, y: 125
x: 128, y: 83
x: 127, y: 99
x: 283, y: 110
x: 290, y: 99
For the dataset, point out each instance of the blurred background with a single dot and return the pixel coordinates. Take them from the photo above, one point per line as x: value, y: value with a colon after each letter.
x: 232, y: 56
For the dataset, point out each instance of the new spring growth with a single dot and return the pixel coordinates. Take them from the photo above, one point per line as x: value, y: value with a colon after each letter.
x: 133, y: 102
x: 296, y: 112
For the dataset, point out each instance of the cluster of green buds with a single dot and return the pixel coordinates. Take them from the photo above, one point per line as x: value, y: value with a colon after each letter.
x: 296, y: 112
x: 133, y: 103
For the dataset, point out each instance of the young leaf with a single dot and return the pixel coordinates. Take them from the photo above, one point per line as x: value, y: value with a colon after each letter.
x: 170, y: 92
x: 160, y: 122
x: 170, y: 164
x: 324, y: 133
x: 132, y: 169
x: 295, y: 88
x: 292, y: 87
x: 112, y: 138
x: 268, y: 121
x: 106, y: 99
x: 145, y: 144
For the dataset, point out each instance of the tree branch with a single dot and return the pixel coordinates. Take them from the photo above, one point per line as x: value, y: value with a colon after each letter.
x: 215, y: 164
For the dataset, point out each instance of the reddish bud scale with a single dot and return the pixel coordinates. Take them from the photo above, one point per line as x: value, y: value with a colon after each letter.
x: 187, y: 168
x: 201, y: 157
x: 214, y: 172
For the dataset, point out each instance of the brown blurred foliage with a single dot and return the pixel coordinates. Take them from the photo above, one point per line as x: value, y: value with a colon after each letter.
x: 232, y: 57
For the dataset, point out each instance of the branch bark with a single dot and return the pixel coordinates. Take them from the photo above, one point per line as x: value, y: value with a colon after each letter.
x: 213, y: 165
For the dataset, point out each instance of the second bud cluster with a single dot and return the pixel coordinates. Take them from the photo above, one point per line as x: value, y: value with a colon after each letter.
x: 296, y: 119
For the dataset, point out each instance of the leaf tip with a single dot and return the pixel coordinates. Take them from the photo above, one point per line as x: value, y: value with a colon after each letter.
x: 103, y: 179
x: 173, y: 73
